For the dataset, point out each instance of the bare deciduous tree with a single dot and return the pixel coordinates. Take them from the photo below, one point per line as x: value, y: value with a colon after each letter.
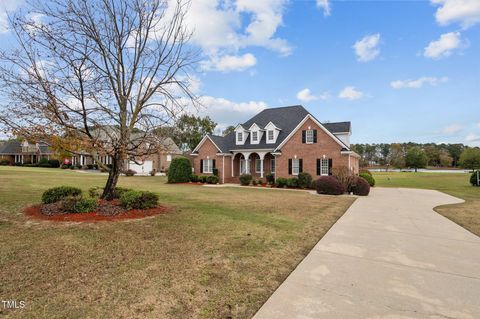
x: 98, y: 76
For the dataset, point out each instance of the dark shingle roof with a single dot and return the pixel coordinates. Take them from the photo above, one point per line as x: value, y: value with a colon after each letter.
x: 338, y: 127
x: 12, y: 147
x: 285, y: 118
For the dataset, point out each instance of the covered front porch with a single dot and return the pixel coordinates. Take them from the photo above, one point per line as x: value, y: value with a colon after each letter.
x: 256, y: 163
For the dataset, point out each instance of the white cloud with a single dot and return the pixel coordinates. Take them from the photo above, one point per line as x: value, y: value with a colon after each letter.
x: 452, y: 129
x: 325, y: 5
x: 366, y: 48
x: 472, y: 137
x: 465, y: 12
x: 418, y: 83
x: 478, y: 124
x: 7, y: 6
x: 225, y: 112
x: 350, y: 93
x: 222, y: 28
x: 229, y: 63
x: 305, y: 95
x: 444, y: 46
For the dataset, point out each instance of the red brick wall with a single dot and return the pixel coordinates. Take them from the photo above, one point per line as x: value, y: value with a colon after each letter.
x: 208, y: 149
x: 310, y: 152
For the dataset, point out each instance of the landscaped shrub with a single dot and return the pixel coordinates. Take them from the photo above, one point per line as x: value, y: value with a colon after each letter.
x: 304, y: 180
x: 84, y: 205
x: 119, y: 191
x: 260, y: 181
x: 4, y: 162
x: 194, y: 178
x: 212, y: 179
x: 313, y: 184
x: 344, y: 175
x: 55, y: 194
x: 474, y: 180
x: 130, y: 172
x: 329, y: 185
x: 360, y: 186
x: 245, y: 179
x: 18, y: 164
x: 254, y: 182
x: 95, y: 192
x: 281, y: 182
x: 55, y: 163
x: 180, y: 170
x: 369, y: 178
x: 90, y: 166
x: 270, y: 178
x: 44, y: 165
x: 43, y: 160
x: 30, y: 165
x: 215, y: 171
x: 202, y: 178
x: 65, y: 166
x: 292, y: 182
x: 365, y: 171
x: 138, y: 199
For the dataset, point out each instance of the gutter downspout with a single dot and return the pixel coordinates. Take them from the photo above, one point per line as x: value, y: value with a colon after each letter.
x: 223, y: 169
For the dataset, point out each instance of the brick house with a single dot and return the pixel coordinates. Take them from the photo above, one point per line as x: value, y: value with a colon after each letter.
x: 284, y: 141
x: 25, y: 152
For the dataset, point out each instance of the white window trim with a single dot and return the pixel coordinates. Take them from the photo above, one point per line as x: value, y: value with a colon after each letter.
x: 208, y: 166
x: 254, y: 136
x: 324, y: 167
x: 240, y: 134
x: 309, y: 134
x: 243, y: 166
x: 169, y: 158
x: 257, y: 165
x: 273, y: 136
x: 297, y: 161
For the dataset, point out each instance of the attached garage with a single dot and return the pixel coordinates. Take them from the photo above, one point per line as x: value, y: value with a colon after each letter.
x: 145, y: 168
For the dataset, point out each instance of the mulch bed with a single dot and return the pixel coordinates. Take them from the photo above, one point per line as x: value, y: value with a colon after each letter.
x: 106, y: 211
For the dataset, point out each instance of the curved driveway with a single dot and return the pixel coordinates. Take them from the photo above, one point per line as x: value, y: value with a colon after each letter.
x: 389, y: 256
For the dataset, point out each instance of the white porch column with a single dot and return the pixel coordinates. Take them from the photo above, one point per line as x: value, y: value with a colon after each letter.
x: 22, y: 159
x: 262, y: 157
x: 247, y: 166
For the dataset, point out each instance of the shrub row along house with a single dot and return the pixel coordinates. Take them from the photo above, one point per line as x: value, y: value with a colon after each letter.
x: 284, y: 141
x: 23, y: 152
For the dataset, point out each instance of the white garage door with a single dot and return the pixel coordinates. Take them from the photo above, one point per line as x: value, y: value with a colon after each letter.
x: 141, y: 169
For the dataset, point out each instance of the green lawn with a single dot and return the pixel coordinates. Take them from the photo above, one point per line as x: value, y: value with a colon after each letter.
x: 457, y: 184
x: 220, y: 253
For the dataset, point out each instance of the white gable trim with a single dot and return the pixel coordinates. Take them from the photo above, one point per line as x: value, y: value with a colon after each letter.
x: 309, y: 116
x: 274, y: 126
x: 203, y: 141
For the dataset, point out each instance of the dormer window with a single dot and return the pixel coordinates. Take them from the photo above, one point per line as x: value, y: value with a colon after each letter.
x: 254, y: 136
x: 271, y: 135
x: 239, y: 137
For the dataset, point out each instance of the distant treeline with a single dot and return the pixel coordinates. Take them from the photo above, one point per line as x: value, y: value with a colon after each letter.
x: 394, y: 154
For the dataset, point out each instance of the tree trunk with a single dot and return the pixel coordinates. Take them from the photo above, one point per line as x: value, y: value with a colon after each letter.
x: 415, y: 169
x: 117, y: 166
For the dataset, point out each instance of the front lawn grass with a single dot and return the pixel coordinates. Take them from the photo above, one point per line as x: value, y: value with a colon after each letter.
x: 466, y: 214
x: 220, y: 253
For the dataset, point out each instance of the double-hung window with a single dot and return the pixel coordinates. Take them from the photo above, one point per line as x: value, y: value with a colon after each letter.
x: 309, y: 137
x: 254, y: 136
x: 239, y: 137
x: 270, y: 135
x: 258, y: 167
x: 272, y: 166
x: 295, y: 166
x: 324, y: 167
x: 207, y: 165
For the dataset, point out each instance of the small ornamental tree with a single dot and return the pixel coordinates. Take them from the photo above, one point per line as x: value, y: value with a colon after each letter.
x: 470, y: 158
x: 180, y: 170
x: 416, y: 158
x: 475, y: 178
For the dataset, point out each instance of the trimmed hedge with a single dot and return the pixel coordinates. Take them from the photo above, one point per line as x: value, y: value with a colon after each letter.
x: 245, y: 179
x: 292, y: 182
x: 202, y: 178
x: 138, y: 199
x: 304, y: 180
x: 369, y: 178
x: 4, y: 162
x: 180, y: 170
x: 212, y: 179
x: 473, y: 179
x: 281, y: 182
x: 360, y: 186
x: 329, y: 185
x: 84, y: 205
x: 194, y: 178
x: 56, y: 194
x: 55, y: 163
x: 270, y: 178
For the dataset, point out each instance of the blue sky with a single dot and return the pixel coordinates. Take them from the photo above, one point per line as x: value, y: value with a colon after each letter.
x: 398, y: 70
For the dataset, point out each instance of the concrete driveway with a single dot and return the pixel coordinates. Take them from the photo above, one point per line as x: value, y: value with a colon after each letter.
x: 389, y: 256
